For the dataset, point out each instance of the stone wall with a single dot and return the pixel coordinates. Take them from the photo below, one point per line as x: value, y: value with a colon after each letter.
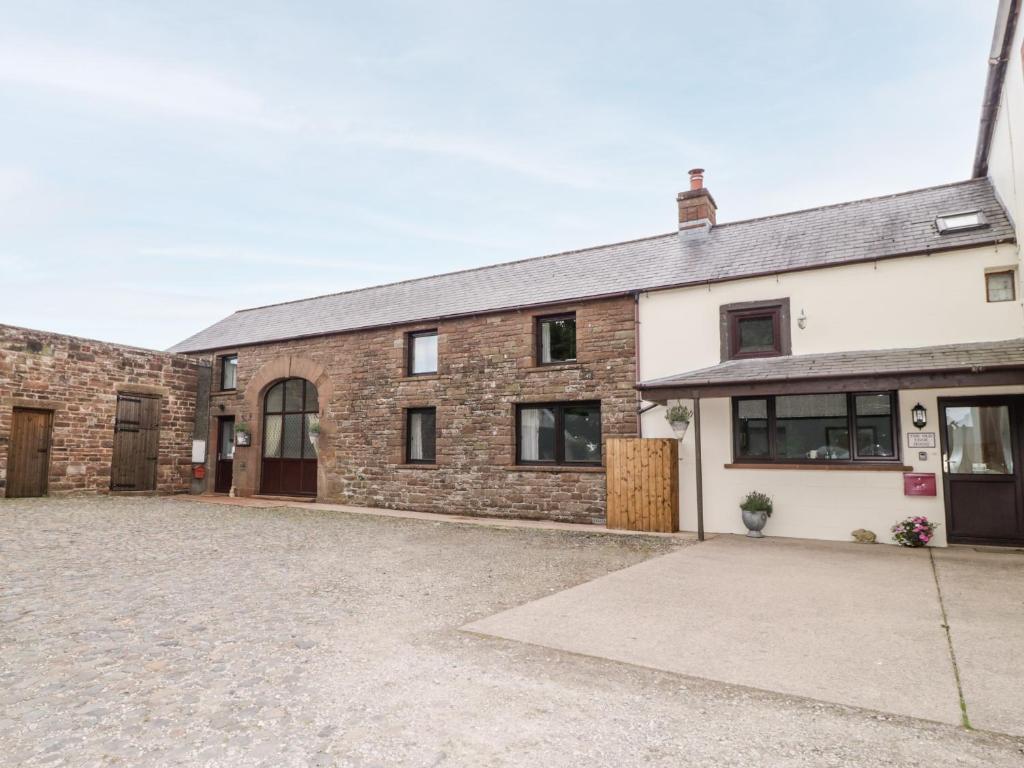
x: 486, y: 366
x: 78, y: 380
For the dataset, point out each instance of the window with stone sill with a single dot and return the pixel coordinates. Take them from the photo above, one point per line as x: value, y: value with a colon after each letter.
x: 556, y: 339
x: 421, y: 436
x: 559, y: 434
x: 228, y: 372
x: 422, y: 346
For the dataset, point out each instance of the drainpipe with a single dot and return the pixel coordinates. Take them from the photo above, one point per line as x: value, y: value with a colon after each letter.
x: 698, y: 469
x: 636, y: 372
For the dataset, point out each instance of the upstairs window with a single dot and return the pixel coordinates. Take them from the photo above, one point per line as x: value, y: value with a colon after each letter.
x: 960, y: 222
x: 421, y: 436
x: 229, y: 372
x: 556, y: 339
x: 422, y: 352
x: 757, y: 329
x: 1001, y: 286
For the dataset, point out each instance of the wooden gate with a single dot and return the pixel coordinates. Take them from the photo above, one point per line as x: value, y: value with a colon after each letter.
x: 28, y: 459
x: 136, y: 443
x: 643, y: 484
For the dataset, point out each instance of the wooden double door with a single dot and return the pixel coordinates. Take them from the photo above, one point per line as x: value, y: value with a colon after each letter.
x: 983, y: 472
x: 28, y: 457
x: 136, y: 443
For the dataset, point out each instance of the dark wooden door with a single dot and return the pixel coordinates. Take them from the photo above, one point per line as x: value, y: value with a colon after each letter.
x: 136, y: 443
x: 225, y: 454
x: 982, y: 473
x: 290, y: 408
x: 28, y: 458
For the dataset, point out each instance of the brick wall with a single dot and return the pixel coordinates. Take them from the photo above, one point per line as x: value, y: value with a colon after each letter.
x: 78, y: 380
x: 486, y: 365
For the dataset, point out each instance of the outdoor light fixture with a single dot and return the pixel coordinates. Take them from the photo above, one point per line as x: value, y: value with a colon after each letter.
x: 920, y: 416
x: 802, y: 320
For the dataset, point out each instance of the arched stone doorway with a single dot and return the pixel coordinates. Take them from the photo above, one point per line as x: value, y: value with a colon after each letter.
x: 289, y: 459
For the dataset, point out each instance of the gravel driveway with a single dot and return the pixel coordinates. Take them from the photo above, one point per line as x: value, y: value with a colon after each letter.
x: 159, y: 632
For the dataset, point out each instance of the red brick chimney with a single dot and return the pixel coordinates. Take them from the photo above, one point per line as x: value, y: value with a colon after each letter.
x: 696, y: 205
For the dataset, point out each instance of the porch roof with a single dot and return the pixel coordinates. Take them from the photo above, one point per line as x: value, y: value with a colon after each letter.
x: 950, y: 365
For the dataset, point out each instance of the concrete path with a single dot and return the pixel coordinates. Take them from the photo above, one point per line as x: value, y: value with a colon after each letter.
x: 845, y: 623
x: 984, y: 597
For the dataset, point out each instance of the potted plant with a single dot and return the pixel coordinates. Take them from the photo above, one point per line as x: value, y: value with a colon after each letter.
x: 678, y: 416
x: 914, y: 531
x: 243, y: 435
x: 756, y: 508
x: 314, y: 435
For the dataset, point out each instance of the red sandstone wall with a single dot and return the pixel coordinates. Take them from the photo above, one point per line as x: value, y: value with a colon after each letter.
x: 78, y: 379
x: 486, y: 366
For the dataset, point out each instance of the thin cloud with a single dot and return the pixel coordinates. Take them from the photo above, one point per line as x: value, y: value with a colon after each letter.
x: 141, y: 83
x: 240, y: 256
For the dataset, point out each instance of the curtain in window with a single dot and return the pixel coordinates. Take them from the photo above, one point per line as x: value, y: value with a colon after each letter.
x: 529, y: 436
x: 416, y: 436
x: 545, y: 344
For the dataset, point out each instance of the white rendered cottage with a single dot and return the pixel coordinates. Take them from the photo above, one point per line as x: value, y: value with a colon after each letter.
x: 859, y: 362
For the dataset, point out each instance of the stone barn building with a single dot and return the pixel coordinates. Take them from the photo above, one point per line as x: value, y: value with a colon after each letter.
x: 83, y: 416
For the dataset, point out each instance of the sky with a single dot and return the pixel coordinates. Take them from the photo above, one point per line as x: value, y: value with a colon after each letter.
x: 163, y: 164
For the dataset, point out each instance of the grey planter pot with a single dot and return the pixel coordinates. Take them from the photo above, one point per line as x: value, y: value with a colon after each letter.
x: 755, y: 522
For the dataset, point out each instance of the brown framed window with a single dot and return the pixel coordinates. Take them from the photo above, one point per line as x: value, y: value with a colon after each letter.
x: 1001, y: 286
x: 755, y: 329
x: 558, y: 433
x: 229, y: 372
x: 421, y: 435
x: 837, y: 427
x: 556, y: 339
x: 422, y: 353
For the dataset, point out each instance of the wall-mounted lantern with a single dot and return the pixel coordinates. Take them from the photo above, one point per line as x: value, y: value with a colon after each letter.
x: 919, y: 415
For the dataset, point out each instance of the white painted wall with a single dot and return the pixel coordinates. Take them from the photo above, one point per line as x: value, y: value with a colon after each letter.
x: 816, y: 504
x: 909, y: 302
x: 1006, y: 154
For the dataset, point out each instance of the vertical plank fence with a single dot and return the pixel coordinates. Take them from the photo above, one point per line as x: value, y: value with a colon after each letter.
x: 643, y: 484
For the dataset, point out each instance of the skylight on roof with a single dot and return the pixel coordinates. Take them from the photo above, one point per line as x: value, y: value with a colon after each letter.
x: 960, y: 222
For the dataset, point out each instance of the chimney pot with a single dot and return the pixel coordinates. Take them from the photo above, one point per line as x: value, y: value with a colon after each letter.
x: 696, y: 205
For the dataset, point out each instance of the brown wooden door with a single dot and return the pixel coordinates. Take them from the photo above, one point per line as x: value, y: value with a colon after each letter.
x: 982, y: 472
x: 290, y: 408
x: 28, y: 459
x: 136, y: 443
x: 225, y: 454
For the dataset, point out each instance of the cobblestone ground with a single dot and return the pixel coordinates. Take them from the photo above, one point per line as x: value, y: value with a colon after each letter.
x: 161, y: 632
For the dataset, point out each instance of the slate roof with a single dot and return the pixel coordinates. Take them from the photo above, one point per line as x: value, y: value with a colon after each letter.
x: 863, y: 230
x: 973, y: 357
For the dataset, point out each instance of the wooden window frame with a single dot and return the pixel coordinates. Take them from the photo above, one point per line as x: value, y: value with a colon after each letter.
x: 220, y: 365
x: 558, y: 408
x: 538, y: 349
x: 410, y: 351
x: 851, y: 423
x: 730, y: 316
x: 1013, y: 285
x: 408, y: 434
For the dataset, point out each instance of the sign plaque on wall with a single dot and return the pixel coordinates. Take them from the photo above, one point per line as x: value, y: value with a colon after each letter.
x: 920, y: 439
